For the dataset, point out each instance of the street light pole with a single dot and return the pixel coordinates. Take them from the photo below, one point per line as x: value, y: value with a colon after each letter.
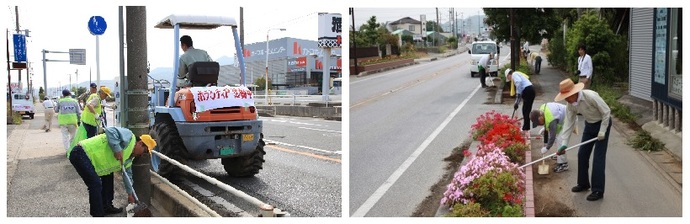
x: 266, y: 89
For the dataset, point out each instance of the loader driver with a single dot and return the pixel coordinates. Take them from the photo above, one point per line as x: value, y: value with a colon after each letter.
x: 190, y: 56
x: 96, y: 159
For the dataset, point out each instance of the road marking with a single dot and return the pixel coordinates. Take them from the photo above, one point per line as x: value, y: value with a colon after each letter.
x: 378, y: 194
x: 301, y: 146
x: 305, y: 154
x: 324, y: 130
x: 407, y: 85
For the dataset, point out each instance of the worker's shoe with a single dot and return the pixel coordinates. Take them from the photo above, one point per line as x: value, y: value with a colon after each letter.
x: 112, y: 210
x: 560, y: 167
x: 596, y: 195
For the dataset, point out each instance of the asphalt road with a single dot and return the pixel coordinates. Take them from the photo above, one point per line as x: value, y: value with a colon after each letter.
x: 403, y: 123
x: 301, y: 175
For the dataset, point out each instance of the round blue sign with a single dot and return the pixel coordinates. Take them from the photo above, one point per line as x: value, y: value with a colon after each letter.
x: 97, y: 25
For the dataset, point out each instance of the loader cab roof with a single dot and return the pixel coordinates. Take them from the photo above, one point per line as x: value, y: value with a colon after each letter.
x: 196, y: 22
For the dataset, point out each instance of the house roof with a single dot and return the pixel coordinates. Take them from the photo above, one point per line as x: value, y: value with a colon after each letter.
x: 402, y: 32
x: 406, y: 20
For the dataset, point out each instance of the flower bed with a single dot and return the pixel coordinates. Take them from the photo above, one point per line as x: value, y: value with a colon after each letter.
x: 490, y: 184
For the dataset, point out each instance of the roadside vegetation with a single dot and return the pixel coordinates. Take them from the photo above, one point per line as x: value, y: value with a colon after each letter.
x: 375, y: 34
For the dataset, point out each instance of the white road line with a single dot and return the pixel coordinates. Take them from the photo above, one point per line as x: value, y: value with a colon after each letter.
x: 324, y: 130
x: 378, y: 194
x: 304, y: 147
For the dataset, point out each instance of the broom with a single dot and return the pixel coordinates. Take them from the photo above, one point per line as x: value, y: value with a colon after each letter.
x: 140, y: 209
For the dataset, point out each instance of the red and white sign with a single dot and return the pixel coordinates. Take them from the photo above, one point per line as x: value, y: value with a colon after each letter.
x: 209, y: 98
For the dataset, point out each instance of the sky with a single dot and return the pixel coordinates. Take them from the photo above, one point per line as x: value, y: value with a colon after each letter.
x: 60, y: 27
x: 362, y: 14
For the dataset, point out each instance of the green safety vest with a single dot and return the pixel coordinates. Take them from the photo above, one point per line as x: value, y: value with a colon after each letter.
x: 101, y: 155
x: 67, y: 118
x: 88, y: 117
x: 548, y: 117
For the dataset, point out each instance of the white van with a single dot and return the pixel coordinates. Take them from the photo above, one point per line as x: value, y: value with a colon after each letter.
x: 23, y: 103
x: 479, y: 49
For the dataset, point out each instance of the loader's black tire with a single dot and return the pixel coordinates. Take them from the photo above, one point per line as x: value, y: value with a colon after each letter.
x: 171, y: 145
x: 246, y: 166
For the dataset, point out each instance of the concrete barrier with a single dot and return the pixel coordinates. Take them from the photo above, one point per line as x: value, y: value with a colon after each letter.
x: 331, y: 112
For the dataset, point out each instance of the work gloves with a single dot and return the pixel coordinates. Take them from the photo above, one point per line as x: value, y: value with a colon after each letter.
x: 561, y: 150
x: 543, y: 150
x: 517, y: 101
x: 601, y: 135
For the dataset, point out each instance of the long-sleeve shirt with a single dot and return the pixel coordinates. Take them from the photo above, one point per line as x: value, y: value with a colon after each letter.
x: 521, y: 81
x: 68, y: 107
x: 188, y: 58
x: 118, y: 139
x: 593, y: 109
x: 558, y: 113
x: 584, y: 64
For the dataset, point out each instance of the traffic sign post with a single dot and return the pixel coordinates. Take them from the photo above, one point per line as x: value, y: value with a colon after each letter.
x: 97, y: 26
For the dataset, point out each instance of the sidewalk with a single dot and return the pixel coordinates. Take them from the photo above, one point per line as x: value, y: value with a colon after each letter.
x: 41, y: 182
x: 631, y: 176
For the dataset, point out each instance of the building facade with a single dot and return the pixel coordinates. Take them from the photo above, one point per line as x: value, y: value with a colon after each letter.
x: 292, y: 63
x: 656, y: 62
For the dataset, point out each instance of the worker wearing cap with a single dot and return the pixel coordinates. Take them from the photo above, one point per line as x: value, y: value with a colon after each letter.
x: 48, y: 106
x: 551, y: 116
x: 97, y: 158
x: 92, y: 111
x: 68, y: 117
x: 83, y: 98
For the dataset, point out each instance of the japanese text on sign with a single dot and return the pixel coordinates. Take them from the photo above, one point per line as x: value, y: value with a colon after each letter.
x: 209, y: 98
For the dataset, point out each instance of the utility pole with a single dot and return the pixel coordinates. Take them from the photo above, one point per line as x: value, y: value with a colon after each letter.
x: 121, y: 117
x: 137, y: 93
x: 16, y: 13
x: 9, y: 76
x: 435, y: 28
x: 242, y: 27
x: 354, y: 40
x: 514, y: 51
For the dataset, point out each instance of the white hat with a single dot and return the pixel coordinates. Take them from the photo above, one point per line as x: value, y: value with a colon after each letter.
x: 507, y: 72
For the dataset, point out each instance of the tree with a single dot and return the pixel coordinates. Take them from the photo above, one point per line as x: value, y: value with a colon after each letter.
x: 532, y: 24
x: 41, y: 93
x: 433, y: 26
x: 608, y: 50
x: 407, y: 39
x: 261, y: 83
x: 369, y: 32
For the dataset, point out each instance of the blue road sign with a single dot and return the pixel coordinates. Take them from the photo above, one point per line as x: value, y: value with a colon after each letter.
x: 19, y: 47
x: 97, y: 25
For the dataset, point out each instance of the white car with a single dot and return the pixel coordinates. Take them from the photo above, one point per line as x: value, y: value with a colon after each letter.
x: 479, y: 49
x: 24, y: 104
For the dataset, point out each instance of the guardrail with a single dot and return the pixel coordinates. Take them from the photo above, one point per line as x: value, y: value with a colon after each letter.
x: 265, y: 209
x: 293, y: 100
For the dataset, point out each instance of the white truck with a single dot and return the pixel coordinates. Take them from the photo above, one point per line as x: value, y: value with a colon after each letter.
x: 23, y: 103
x: 479, y: 49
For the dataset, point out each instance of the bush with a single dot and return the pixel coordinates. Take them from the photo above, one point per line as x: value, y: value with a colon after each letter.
x: 557, y: 53
x: 490, y: 180
x: 608, y: 50
x: 487, y: 121
x: 471, y: 209
x: 618, y: 109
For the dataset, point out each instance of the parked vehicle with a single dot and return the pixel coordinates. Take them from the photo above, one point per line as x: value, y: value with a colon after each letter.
x: 24, y: 104
x: 479, y: 49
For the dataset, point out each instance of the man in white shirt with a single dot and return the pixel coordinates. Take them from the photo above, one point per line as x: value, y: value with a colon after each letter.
x: 49, y: 109
x: 482, y: 66
x: 584, y: 66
